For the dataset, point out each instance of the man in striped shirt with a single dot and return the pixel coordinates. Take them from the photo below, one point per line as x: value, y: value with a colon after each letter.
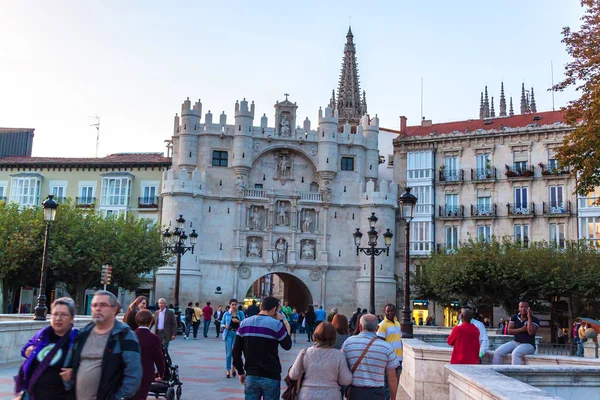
x: 389, y: 330
x: 258, y: 339
x: 379, y: 361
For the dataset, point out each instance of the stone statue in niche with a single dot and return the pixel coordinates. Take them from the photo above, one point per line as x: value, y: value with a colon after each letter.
x: 284, y: 129
x: 239, y: 183
x: 282, y: 214
x: 308, y: 250
x: 280, y: 251
x: 256, y: 218
x: 307, y: 220
x: 254, y: 249
x: 284, y: 166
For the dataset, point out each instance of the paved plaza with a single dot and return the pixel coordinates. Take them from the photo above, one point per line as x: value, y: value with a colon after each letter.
x: 201, y: 366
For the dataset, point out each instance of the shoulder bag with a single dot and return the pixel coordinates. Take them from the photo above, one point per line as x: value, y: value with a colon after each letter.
x: 364, y: 353
x: 293, y: 386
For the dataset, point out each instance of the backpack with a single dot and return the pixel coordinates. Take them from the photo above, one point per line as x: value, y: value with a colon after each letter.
x: 189, y: 312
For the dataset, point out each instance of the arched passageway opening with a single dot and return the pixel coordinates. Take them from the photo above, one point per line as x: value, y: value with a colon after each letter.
x: 284, y: 286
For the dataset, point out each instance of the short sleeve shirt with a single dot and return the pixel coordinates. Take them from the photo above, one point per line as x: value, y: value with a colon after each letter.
x: 524, y: 337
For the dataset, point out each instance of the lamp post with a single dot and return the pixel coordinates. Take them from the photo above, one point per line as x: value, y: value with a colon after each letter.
x: 372, y: 251
x: 177, y: 243
x: 50, y: 206
x: 407, y: 203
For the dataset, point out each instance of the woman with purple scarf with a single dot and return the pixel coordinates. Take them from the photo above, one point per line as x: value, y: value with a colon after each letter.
x: 45, y: 373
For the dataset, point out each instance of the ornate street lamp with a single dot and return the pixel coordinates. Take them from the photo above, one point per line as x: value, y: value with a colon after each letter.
x: 176, y: 242
x: 407, y: 203
x: 372, y: 251
x: 50, y: 206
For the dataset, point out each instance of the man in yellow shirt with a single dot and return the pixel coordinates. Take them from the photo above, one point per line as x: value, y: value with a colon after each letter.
x: 196, y: 318
x: 389, y: 330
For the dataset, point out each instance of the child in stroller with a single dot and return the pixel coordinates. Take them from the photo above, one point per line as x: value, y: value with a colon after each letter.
x: 170, y: 385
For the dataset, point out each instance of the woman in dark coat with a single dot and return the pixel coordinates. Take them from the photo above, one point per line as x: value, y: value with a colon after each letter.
x: 309, y: 322
x: 151, y: 353
x: 140, y: 303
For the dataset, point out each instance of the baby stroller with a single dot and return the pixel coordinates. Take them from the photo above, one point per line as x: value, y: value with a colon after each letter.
x: 170, y: 386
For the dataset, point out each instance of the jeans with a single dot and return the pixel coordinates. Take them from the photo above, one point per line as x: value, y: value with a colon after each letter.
x: 206, y: 326
x: 386, y: 388
x: 218, y: 327
x: 580, y: 344
x: 257, y: 388
x: 229, y: 338
x: 195, y: 325
x: 517, y: 349
x: 188, y: 328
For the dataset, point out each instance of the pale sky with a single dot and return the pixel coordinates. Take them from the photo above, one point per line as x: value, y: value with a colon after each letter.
x: 134, y: 62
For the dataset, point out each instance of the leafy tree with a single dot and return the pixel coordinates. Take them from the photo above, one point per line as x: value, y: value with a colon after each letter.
x: 500, y: 272
x: 581, y: 148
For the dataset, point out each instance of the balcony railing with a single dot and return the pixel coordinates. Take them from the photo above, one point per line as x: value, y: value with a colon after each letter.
x: 59, y: 200
x: 518, y: 209
x: 255, y: 193
x: 148, y: 202
x: 85, y: 202
x: 552, y: 170
x: 512, y: 172
x: 451, y: 175
x: 448, y: 248
x: 483, y: 210
x: 556, y: 208
x: 310, y: 196
x: 451, y: 211
x: 483, y: 174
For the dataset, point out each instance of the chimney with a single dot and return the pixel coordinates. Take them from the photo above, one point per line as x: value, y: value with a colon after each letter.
x: 403, y: 120
x: 426, y: 122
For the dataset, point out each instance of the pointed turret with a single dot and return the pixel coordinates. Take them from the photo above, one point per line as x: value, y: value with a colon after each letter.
x: 492, y: 111
x: 364, y: 103
x: 349, y: 103
x: 532, y: 105
x: 502, y: 101
x: 332, y: 101
x: 481, y: 107
x: 486, y: 104
x: 511, y: 111
x: 524, y: 103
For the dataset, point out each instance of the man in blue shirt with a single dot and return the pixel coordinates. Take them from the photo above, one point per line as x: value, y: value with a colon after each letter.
x: 321, y: 315
x: 524, y: 327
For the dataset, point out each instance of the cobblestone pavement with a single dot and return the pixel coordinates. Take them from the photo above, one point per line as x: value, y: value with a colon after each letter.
x: 201, y: 366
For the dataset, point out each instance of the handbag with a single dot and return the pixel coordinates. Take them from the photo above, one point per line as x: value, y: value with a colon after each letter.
x: 293, y: 386
x: 364, y: 353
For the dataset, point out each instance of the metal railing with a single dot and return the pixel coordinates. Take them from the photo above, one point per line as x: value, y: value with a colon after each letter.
x: 148, y: 202
x: 557, y: 208
x: 451, y: 175
x: 521, y: 208
x: 557, y: 349
x: 512, y: 172
x: 451, y: 211
x: 449, y: 248
x: 483, y: 210
x: 85, y: 202
x: 483, y: 174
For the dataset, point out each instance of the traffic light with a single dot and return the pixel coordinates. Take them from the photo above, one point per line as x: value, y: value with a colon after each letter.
x: 106, y: 275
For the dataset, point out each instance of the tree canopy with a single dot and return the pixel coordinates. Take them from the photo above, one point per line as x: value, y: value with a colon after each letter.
x: 81, y: 241
x: 500, y: 273
x: 581, y: 148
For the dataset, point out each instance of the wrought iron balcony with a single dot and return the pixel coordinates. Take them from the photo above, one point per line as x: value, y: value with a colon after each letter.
x: 451, y: 212
x: 553, y: 170
x: 483, y: 210
x: 483, y: 174
x: 517, y: 210
x: 451, y: 175
x: 85, y: 202
x: 557, y: 209
x: 148, y: 202
x: 448, y: 248
x: 512, y: 172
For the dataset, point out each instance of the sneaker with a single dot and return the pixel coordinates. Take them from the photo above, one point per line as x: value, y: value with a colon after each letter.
x: 185, y: 337
x: 194, y: 338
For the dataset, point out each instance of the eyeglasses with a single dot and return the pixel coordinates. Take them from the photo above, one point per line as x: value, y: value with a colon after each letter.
x: 60, y: 316
x: 100, y: 305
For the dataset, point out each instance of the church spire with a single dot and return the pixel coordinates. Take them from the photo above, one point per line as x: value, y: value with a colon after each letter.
x: 524, y: 102
x: 502, y: 101
x: 511, y: 111
x: 532, y: 106
x: 481, y: 107
x: 332, y: 101
x: 349, y: 103
x: 486, y: 104
x: 492, y: 111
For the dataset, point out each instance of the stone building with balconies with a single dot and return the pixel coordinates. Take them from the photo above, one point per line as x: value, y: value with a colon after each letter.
x: 494, y: 176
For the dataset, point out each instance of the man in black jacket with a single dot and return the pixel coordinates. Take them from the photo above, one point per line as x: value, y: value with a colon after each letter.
x: 106, y: 354
x: 258, y: 339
